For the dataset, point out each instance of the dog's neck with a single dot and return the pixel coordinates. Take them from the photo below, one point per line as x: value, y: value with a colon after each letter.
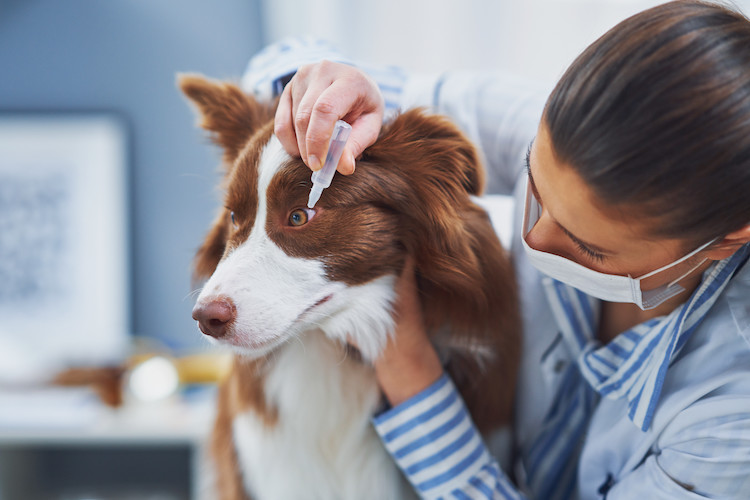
x: 323, y: 401
x: 310, y: 371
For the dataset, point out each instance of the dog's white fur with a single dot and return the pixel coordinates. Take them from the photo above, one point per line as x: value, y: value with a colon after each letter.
x: 276, y: 294
x: 321, y: 434
x: 335, y: 454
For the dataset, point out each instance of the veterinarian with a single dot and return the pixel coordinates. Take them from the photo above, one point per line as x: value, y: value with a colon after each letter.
x: 631, y: 245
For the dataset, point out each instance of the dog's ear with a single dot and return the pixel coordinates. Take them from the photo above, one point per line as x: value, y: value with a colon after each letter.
x: 426, y: 170
x: 430, y: 148
x: 482, y: 350
x: 228, y: 113
x: 232, y: 117
x: 212, y: 250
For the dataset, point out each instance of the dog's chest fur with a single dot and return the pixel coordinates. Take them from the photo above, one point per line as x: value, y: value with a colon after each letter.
x: 323, y: 445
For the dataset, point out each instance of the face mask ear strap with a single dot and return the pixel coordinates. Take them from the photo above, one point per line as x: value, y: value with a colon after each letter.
x: 670, y: 290
x: 671, y: 284
x: 679, y: 261
x: 665, y: 293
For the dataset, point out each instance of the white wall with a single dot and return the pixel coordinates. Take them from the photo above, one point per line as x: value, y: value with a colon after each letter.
x: 534, y: 38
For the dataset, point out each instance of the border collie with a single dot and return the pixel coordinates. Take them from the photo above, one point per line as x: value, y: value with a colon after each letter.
x: 288, y: 287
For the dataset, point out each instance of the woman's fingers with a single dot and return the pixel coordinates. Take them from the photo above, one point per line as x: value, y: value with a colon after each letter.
x: 306, y: 95
x: 364, y: 133
x: 356, y: 100
x: 314, y: 99
x: 283, y: 126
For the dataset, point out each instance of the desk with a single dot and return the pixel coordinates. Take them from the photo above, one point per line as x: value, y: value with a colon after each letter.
x: 62, y: 444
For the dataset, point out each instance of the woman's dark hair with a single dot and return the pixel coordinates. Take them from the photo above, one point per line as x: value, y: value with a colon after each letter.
x: 655, y: 117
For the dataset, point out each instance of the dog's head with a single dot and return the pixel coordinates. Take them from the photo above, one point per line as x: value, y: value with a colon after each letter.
x: 276, y: 268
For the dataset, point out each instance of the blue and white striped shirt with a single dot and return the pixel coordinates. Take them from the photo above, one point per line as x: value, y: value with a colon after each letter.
x: 671, y: 416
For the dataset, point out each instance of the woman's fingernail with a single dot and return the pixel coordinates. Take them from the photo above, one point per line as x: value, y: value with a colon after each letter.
x: 313, y: 162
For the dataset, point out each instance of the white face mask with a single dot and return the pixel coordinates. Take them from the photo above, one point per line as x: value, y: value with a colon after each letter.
x: 609, y: 287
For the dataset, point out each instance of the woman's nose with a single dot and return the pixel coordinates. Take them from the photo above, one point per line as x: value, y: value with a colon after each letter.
x: 538, y: 235
x: 547, y: 236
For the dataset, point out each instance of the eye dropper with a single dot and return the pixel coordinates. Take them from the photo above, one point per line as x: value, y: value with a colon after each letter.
x: 322, y: 178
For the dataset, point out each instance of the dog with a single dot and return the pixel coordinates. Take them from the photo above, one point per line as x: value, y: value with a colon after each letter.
x: 289, y: 289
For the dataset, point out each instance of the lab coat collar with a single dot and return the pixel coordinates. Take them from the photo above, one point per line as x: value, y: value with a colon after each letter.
x: 634, y: 364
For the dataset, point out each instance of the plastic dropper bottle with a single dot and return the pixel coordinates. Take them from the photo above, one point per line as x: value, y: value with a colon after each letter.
x: 322, y: 178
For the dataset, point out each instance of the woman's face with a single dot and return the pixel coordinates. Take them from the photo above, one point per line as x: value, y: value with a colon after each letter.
x: 576, y: 225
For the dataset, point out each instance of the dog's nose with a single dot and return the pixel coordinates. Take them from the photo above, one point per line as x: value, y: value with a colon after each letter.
x: 215, y: 315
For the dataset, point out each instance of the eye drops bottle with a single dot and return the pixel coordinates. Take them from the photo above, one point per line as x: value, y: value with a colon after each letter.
x: 322, y: 178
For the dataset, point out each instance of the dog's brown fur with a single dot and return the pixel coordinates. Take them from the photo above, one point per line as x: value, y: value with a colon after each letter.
x: 408, y: 197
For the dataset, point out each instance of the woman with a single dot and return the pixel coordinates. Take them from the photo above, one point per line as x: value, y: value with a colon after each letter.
x: 635, y: 222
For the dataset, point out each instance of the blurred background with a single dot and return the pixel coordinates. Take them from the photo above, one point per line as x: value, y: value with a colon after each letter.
x: 107, y: 187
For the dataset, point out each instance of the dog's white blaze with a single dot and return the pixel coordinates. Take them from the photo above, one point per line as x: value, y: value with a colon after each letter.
x: 269, y: 288
x: 323, y: 445
x: 277, y: 295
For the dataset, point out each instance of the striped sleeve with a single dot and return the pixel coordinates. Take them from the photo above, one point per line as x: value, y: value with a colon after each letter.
x: 435, y: 443
x: 271, y: 68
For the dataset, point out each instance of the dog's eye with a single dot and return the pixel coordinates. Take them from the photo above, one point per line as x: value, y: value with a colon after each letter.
x: 233, y: 218
x: 300, y: 216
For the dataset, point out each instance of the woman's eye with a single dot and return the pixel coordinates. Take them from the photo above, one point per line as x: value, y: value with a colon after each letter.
x: 300, y: 216
x: 590, y: 253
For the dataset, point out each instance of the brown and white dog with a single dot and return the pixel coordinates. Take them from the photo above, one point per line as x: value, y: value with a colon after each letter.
x: 288, y: 286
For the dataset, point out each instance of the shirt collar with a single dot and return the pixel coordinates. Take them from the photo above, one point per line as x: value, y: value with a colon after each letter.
x: 633, y: 365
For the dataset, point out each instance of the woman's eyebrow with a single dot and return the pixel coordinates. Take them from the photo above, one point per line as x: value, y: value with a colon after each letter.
x: 570, y: 235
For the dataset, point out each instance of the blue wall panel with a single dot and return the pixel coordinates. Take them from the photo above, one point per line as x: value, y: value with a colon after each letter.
x: 121, y: 56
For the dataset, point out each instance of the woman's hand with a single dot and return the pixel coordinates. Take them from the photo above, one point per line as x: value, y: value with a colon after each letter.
x: 409, y: 363
x: 317, y: 96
